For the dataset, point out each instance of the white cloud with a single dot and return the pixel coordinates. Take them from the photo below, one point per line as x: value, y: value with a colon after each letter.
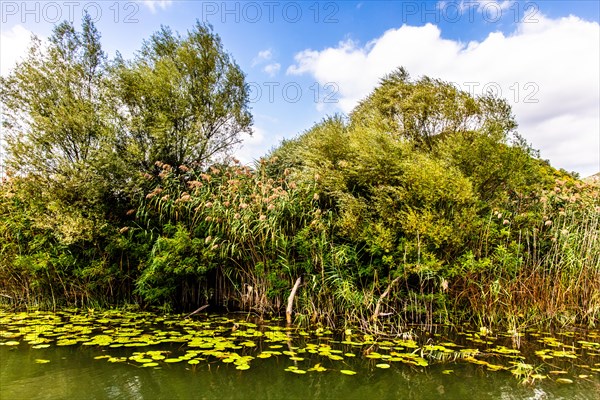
x: 15, y: 43
x: 154, y: 5
x: 272, y: 69
x: 262, y: 56
x: 554, y: 62
x: 253, y: 147
x: 265, y: 56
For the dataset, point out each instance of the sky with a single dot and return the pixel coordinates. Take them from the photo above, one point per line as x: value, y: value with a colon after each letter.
x: 305, y: 60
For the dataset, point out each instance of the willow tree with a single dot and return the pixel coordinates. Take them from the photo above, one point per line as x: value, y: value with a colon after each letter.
x: 183, y: 100
x: 54, y: 113
x: 429, y: 110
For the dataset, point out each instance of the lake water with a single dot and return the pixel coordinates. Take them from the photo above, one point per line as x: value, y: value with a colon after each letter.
x: 117, y: 355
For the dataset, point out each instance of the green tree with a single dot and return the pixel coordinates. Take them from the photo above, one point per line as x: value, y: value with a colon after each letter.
x: 54, y: 113
x: 428, y: 110
x: 183, y: 100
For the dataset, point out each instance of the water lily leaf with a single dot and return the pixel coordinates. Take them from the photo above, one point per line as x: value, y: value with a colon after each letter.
x: 348, y: 372
x: 382, y: 366
x: 318, y: 368
x: 41, y: 361
x: 564, y: 380
x: 566, y: 354
x: 40, y: 346
x: 557, y: 372
x: 298, y: 371
x: 143, y: 360
x: 504, y: 350
x: 243, y: 367
x: 437, y: 348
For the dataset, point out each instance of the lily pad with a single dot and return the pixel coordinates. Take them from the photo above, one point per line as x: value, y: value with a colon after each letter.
x: 564, y: 380
x: 348, y: 372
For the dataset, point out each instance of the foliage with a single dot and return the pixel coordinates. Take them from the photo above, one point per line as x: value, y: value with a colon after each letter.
x: 423, y: 206
x: 182, y: 100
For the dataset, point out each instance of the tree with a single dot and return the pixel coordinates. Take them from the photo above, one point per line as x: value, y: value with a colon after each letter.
x: 54, y: 113
x: 428, y: 110
x: 183, y: 100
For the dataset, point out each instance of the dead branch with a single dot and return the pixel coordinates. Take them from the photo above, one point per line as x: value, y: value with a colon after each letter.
x: 196, y: 312
x: 290, y: 304
x: 382, y: 297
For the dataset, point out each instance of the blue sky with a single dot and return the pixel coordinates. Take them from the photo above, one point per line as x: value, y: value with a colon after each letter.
x: 305, y: 60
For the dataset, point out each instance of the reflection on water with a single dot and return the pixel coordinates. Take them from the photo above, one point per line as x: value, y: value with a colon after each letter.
x: 451, y: 365
x: 86, y: 378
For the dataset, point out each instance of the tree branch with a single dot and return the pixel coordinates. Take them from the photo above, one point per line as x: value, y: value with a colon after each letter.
x: 290, y: 304
x: 382, y: 297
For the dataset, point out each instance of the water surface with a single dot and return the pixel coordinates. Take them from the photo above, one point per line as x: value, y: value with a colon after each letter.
x: 117, y: 355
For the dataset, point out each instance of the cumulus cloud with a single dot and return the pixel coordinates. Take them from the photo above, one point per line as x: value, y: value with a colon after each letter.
x: 547, y: 70
x: 15, y: 43
x: 155, y: 5
x: 272, y: 69
x: 265, y: 57
x: 262, y: 56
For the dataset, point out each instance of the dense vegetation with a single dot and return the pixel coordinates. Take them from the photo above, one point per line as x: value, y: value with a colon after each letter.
x: 424, y: 205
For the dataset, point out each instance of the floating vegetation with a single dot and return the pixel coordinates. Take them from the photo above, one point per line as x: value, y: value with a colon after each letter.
x: 348, y: 372
x: 144, y: 340
x: 564, y: 380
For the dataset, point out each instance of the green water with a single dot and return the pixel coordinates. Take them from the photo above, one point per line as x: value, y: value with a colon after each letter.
x: 102, y: 356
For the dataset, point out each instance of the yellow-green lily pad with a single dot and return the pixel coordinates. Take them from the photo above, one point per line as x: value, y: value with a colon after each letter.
x: 348, y: 372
